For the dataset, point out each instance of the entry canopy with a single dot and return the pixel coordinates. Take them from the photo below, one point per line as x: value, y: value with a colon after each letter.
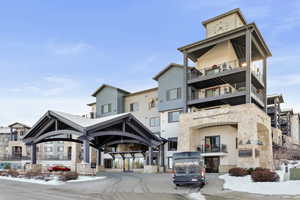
x: 111, y: 130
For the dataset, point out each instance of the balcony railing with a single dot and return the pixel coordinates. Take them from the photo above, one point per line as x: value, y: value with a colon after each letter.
x: 217, y: 149
x: 214, y: 69
x: 219, y: 91
x: 13, y: 157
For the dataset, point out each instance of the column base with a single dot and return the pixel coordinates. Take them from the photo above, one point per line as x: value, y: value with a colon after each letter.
x: 99, y: 168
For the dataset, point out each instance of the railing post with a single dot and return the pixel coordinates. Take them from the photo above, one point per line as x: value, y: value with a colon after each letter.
x: 248, y: 62
x: 185, y: 92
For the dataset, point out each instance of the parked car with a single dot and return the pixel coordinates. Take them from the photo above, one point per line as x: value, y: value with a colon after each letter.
x: 59, y: 169
x: 189, y: 169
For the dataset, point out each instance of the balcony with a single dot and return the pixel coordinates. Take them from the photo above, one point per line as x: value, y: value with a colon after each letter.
x: 218, y: 150
x: 226, y: 72
x: 219, y: 95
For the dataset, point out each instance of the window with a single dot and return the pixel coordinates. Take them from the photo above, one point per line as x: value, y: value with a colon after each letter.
x: 212, y: 144
x: 60, y: 149
x: 212, y: 92
x: 174, y: 116
x: 172, y: 144
x: 174, y: 94
x: 48, y: 149
x: 106, y: 108
x: 134, y: 107
x: 154, y: 122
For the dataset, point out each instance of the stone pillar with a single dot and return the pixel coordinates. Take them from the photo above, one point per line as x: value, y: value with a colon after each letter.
x: 33, y: 154
x: 86, y: 151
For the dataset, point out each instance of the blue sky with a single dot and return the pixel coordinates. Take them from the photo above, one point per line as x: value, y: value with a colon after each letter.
x: 54, y: 54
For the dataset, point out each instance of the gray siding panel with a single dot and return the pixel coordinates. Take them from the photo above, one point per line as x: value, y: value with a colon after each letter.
x: 106, y: 96
x: 173, y: 78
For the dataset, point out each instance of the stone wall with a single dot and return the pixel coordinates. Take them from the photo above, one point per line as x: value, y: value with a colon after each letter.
x: 253, y: 132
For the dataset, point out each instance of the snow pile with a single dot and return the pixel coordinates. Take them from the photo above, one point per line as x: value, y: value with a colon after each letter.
x: 55, y: 181
x: 196, y: 196
x: 245, y: 184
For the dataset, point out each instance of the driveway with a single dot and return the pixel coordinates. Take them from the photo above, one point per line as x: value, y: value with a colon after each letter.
x: 117, y: 186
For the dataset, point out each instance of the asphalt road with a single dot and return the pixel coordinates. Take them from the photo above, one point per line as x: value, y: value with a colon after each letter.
x: 117, y: 186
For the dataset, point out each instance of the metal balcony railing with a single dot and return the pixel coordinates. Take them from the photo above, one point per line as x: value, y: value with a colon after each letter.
x: 7, y: 157
x: 214, y: 69
x: 220, y: 91
x: 204, y: 148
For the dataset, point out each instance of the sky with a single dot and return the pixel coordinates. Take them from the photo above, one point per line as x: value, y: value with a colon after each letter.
x: 54, y: 54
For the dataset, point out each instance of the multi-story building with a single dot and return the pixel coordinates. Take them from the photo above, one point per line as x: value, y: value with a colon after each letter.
x: 217, y: 107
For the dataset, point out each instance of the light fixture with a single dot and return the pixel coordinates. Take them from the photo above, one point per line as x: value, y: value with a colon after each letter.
x: 244, y: 64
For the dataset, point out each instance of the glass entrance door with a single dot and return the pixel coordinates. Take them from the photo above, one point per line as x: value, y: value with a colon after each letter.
x: 212, y: 164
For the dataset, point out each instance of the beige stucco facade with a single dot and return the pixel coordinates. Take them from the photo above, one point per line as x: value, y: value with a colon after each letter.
x: 147, y: 102
x: 242, y: 127
x: 224, y: 24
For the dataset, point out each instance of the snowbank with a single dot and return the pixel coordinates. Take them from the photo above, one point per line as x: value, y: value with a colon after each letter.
x: 245, y: 184
x: 54, y: 181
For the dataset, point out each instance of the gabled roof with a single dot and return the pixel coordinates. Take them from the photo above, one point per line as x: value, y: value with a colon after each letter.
x: 106, y: 85
x: 142, y: 91
x: 237, y: 11
x: 21, y: 124
x: 83, y: 125
x: 156, y: 77
x: 91, y: 104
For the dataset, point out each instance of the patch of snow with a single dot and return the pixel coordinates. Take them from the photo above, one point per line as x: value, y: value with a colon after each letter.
x: 55, y: 181
x: 196, y: 196
x: 245, y: 184
x: 86, y: 178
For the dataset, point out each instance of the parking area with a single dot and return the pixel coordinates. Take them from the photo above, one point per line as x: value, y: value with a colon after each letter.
x: 124, y: 186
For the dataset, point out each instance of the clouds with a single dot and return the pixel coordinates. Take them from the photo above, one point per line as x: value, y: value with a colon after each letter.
x: 74, y: 48
x: 48, y: 86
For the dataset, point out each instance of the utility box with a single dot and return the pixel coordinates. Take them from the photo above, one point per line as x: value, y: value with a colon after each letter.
x: 295, y: 174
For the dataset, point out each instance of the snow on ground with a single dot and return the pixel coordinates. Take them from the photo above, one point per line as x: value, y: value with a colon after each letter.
x: 54, y: 181
x: 196, y: 196
x: 245, y: 184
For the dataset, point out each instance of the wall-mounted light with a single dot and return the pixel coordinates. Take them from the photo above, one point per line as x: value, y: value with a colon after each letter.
x: 244, y: 64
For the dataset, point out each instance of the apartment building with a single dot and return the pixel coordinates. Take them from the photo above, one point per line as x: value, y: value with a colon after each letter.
x: 218, y: 106
x: 4, y: 139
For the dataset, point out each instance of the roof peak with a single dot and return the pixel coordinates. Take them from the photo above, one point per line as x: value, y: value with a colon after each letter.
x: 236, y: 10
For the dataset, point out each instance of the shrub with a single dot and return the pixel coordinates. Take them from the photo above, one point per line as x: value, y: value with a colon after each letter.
x: 33, y: 173
x: 261, y: 169
x: 264, y: 175
x: 250, y: 170
x: 7, y: 166
x: 13, y: 173
x: 68, y: 176
x: 237, y: 172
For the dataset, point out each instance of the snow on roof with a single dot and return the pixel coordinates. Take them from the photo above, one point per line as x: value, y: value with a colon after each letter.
x: 86, y: 122
x: 5, y: 130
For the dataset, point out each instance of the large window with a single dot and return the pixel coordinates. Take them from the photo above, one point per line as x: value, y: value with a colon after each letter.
x: 154, y: 122
x: 212, y: 144
x: 174, y: 116
x: 106, y: 108
x: 172, y: 144
x: 212, y: 92
x: 134, y: 107
x: 173, y: 94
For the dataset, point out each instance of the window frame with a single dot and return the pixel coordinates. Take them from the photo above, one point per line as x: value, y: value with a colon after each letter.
x: 109, y: 108
x: 171, y: 112
x: 156, y: 122
x: 132, y: 108
x: 178, y: 94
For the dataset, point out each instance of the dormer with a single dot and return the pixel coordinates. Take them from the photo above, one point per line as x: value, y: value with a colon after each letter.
x: 224, y: 23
